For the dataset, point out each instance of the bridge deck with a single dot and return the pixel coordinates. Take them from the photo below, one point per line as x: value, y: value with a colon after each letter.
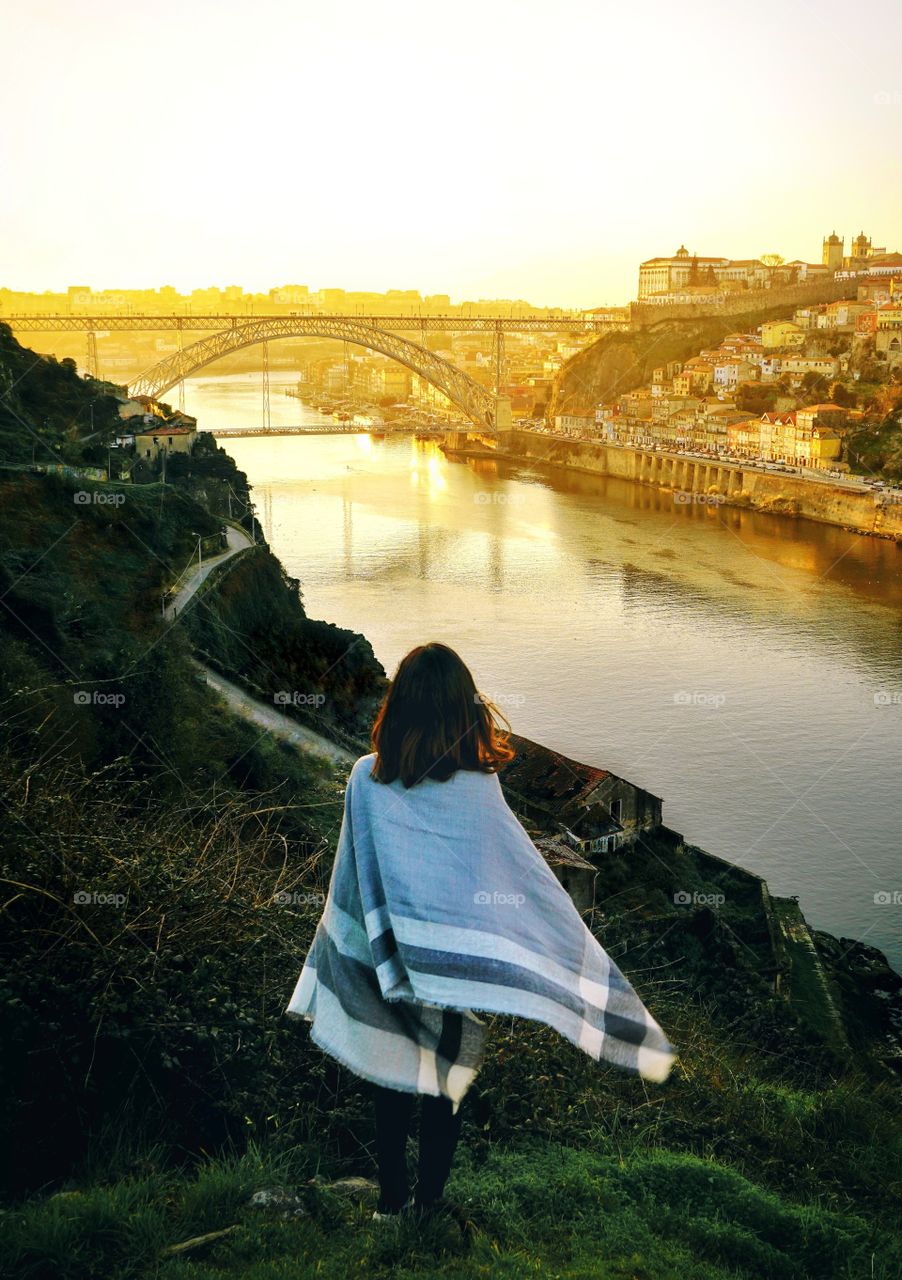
x: 395, y: 324
x: 339, y: 429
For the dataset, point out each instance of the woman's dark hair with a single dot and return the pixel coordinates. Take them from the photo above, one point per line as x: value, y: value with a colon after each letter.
x: 433, y: 721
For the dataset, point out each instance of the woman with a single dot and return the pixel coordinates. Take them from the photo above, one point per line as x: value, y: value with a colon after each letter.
x: 440, y: 904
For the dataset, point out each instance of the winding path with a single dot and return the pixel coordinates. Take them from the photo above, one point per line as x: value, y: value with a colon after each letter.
x: 237, y: 699
x: 276, y: 722
x: 191, y: 579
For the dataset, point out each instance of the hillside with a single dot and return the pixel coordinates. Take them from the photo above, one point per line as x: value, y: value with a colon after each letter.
x: 163, y: 868
x: 148, y: 1052
x: 619, y: 362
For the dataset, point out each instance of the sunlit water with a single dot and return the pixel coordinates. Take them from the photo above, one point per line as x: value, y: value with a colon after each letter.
x: 746, y: 668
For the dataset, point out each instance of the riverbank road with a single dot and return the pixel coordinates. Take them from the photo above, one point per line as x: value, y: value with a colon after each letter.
x: 857, y: 483
x: 195, y: 573
x: 275, y: 722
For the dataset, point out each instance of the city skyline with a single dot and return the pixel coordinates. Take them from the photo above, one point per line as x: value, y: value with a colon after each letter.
x: 653, y: 275
x: 498, y: 155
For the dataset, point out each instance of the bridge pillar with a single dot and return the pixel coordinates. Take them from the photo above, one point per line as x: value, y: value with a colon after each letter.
x: 503, y: 418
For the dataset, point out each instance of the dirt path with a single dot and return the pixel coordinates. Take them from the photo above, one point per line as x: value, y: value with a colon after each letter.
x: 237, y: 539
x: 275, y: 721
x: 237, y: 699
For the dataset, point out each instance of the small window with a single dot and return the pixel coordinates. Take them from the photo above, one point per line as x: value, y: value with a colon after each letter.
x: 616, y: 808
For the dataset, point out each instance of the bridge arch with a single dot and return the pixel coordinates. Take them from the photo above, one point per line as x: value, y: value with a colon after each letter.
x: 474, y: 400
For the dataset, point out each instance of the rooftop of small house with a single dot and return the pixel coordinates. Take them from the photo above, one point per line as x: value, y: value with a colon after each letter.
x: 548, y: 777
x: 557, y: 853
x: 167, y: 429
x: 562, y: 788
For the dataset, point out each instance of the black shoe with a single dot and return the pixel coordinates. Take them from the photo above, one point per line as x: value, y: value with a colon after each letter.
x: 387, y: 1215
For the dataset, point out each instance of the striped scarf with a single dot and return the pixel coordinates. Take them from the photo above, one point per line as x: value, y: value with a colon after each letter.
x: 439, y: 905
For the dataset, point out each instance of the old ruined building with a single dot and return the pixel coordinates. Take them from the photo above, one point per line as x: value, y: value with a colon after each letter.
x: 586, y: 811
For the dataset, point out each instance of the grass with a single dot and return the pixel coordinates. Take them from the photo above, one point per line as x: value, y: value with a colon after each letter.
x: 532, y: 1210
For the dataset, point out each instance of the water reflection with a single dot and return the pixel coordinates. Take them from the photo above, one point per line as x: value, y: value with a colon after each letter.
x: 727, y: 660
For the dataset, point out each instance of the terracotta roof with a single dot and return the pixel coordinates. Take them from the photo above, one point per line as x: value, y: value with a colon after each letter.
x: 548, y: 778
x: 164, y: 430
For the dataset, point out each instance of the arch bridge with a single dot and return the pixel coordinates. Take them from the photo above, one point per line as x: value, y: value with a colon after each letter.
x: 479, y: 404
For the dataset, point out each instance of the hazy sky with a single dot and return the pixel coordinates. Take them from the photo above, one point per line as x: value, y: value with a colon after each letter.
x: 479, y: 148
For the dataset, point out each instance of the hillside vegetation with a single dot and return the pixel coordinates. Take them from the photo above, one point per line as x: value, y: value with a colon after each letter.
x: 162, y: 871
x: 620, y: 362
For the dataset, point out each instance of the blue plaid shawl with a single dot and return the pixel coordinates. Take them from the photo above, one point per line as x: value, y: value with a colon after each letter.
x: 440, y: 904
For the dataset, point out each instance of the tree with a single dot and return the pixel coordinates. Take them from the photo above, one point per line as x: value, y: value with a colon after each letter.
x: 840, y: 394
x: 815, y: 384
x: 772, y: 259
x: 756, y: 397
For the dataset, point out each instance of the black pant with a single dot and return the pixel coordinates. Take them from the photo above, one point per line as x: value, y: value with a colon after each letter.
x: 439, y: 1131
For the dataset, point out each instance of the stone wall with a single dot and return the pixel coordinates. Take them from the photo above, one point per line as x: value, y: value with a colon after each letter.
x: 745, y: 301
x: 776, y: 493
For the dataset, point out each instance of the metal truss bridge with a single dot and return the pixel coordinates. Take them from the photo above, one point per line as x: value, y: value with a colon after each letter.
x: 388, y: 324
x: 488, y: 410
x: 477, y: 402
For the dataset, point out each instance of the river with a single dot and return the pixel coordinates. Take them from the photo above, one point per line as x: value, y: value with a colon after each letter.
x: 746, y: 668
